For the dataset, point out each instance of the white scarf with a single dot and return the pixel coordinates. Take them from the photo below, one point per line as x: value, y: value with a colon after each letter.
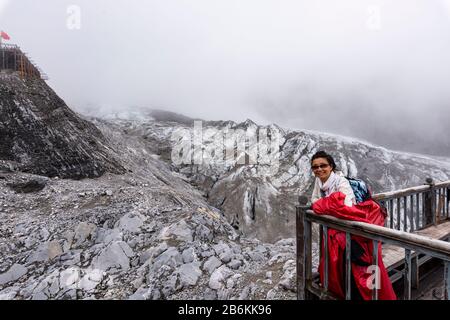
x: 331, y: 185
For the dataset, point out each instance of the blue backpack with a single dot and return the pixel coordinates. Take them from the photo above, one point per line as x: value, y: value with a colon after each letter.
x: 360, y: 189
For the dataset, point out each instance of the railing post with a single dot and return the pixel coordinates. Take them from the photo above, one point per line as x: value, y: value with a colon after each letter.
x: 429, y: 201
x: 415, y: 271
x: 407, y: 276
x: 447, y: 200
x: 303, y: 227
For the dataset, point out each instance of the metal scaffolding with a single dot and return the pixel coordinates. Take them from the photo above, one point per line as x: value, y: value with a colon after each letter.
x: 15, y: 60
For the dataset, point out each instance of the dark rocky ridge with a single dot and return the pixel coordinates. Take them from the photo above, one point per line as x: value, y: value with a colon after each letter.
x: 39, y: 134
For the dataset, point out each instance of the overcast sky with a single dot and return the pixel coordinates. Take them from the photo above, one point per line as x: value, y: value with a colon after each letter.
x: 378, y: 70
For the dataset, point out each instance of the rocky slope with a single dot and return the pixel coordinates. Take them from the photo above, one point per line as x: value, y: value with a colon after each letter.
x: 41, y: 135
x: 147, y: 234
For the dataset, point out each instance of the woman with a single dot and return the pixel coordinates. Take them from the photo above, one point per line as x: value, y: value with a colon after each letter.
x: 328, y: 198
x: 328, y: 180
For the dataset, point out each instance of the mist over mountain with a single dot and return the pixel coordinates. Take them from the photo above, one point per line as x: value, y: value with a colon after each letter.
x: 377, y: 70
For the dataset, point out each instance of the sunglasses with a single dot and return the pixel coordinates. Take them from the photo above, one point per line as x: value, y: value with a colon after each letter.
x: 322, y: 166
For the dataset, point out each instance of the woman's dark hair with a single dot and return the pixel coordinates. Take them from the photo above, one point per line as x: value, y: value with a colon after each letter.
x: 323, y: 154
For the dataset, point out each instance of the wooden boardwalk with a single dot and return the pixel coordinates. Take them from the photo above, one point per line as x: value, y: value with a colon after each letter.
x: 394, y: 256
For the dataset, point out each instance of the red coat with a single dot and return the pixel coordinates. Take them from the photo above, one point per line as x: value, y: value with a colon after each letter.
x: 370, y: 212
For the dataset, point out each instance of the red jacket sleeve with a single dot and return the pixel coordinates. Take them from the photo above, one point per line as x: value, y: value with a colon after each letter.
x: 368, y: 211
x: 333, y: 205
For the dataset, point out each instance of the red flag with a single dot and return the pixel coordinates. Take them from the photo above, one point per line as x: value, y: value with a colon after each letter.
x: 4, y: 35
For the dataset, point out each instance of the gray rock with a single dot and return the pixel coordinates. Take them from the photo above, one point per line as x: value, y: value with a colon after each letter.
x: 235, y: 264
x: 209, y: 294
x: 188, y: 255
x: 71, y: 258
x: 179, y: 231
x: 225, y: 257
x: 286, y: 242
x: 69, y: 278
x: 46, y: 251
x: 69, y: 236
x: 288, y: 280
x: 203, y: 233
x: 170, y: 258
x: 219, y: 276
x: 207, y: 253
x: 189, y: 274
x: 116, y: 256
x: 140, y: 294
x: 223, y: 294
x: 84, y: 231
x: 244, y: 293
x: 91, y: 279
x: 230, y: 283
x: 211, y: 264
x: 131, y: 222
x: 54, y: 287
x: 271, y: 294
x: 153, y: 252
x: 221, y: 248
x: 8, y: 294
x: 39, y: 296
x: 256, y: 256
x: 109, y: 235
x: 14, y: 273
x: 170, y: 286
x: 68, y: 295
x: 33, y: 185
x: 161, y: 248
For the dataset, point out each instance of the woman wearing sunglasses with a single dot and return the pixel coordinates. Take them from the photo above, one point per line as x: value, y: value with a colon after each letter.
x: 328, y: 180
x: 329, y: 190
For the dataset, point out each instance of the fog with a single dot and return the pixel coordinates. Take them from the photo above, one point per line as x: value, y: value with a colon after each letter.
x: 377, y: 70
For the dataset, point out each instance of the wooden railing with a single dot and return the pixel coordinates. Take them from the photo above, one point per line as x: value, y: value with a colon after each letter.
x: 428, y: 208
x: 418, y: 207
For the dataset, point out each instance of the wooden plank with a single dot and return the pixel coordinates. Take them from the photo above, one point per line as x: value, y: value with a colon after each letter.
x: 415, y: 272
x: 417, y: 212
x: 304, y: 253
x: 307, y: 261
x: 391, y: 214
x: 400, y: 193
x: 394, y: 255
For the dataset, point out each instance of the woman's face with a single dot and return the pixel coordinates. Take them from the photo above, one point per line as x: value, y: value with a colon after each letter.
x: 321, y: 169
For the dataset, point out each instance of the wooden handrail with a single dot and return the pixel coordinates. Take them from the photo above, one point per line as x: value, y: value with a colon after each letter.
x: 432, y: 247
x: 408, y: 191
